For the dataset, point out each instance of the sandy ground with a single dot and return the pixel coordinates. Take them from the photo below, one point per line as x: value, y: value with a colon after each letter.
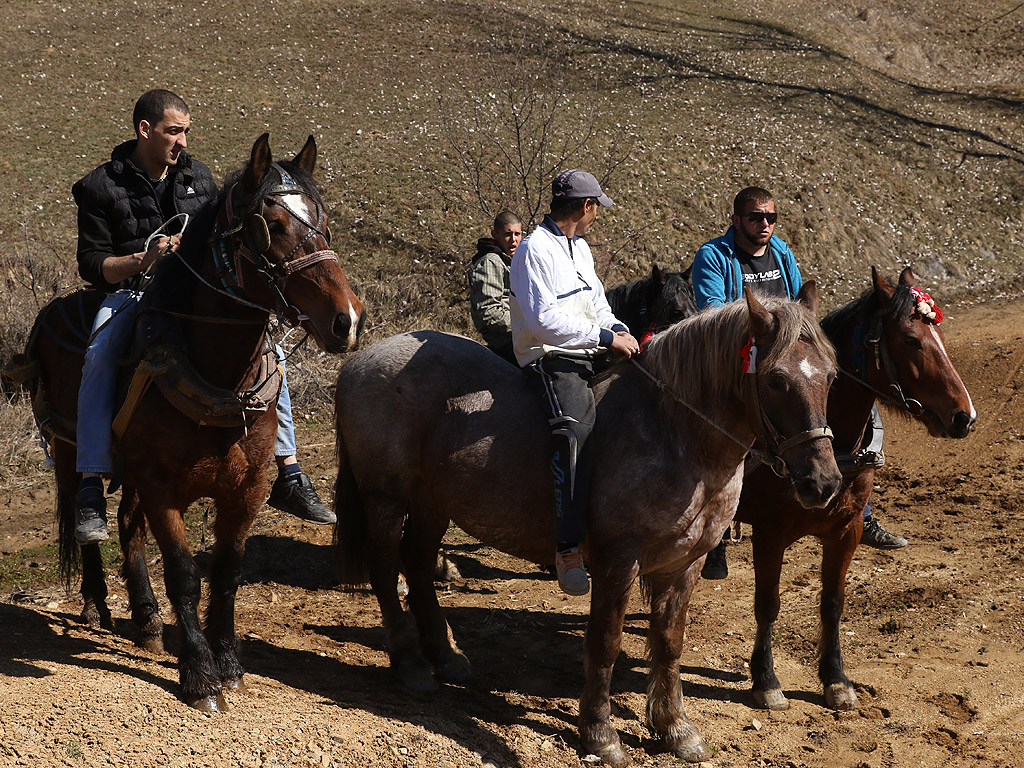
x: 932, y: 634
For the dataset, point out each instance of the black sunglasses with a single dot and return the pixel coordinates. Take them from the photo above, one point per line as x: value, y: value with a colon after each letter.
x: 755, y: 216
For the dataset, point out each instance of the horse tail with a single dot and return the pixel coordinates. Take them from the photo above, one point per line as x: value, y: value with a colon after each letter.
x: 350, y: 530
x: 68, y: 551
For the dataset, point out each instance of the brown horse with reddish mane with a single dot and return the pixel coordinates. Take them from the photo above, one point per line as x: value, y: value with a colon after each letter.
x: 204, y: 420
x: 890, y: 348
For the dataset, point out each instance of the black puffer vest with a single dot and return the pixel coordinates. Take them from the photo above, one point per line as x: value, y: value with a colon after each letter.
x: 118, y: 209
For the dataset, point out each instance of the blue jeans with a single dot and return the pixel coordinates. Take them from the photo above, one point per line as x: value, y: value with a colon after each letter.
x: 111, y: 334
x: 285, y: 443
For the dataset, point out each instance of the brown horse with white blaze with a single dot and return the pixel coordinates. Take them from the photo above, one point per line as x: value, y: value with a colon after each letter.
x: 890, y: 348
x: 433, y: 428
x: 207, y: 312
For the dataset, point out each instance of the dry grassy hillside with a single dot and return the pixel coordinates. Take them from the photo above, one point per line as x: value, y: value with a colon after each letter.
x: 891, y: 133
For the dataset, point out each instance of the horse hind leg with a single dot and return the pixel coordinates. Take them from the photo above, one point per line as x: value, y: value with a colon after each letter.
x: 383, y: 531
x: 95, y: 612
x: 419, y: 547
x: 141, y: 600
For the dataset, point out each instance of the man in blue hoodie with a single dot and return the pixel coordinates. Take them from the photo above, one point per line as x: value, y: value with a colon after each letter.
x: 751, y: 254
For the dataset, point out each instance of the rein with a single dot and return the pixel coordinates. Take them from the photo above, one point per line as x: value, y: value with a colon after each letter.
x: 772, y: 458
x: 872, y: 339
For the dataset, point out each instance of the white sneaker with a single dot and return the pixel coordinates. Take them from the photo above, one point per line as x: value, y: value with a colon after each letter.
x: 572, y: 576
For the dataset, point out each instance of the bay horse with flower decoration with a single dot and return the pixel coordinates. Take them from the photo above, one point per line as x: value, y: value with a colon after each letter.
x: 203, y: 419
x: 891, y: 350
x: 433, y: 429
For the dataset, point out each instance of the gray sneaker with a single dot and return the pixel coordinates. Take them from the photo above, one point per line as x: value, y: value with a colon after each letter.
x: 572, y: 576
x: 874, y: 535
x: 90, y: 516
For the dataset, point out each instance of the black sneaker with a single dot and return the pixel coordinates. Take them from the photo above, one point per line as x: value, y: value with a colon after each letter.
x: 874, y: 535
x: 90, y: 516
x: 716, y: 567
x: 295, y: 494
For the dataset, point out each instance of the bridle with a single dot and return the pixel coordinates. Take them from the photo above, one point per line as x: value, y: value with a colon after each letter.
x: 244, y: 235
x: 775, y: 443
x: 871, y: 339
x: 772, y: 438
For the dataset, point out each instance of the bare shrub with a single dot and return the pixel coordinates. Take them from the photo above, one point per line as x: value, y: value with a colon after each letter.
x: 509, y: 133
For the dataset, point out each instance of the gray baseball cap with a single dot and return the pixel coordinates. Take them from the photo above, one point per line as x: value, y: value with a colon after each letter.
x: 575, y: 183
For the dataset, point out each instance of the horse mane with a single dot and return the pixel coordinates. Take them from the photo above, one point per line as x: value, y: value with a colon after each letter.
x: 858, y: 310
x: 699, y: 357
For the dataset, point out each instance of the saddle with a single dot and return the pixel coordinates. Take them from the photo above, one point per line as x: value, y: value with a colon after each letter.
x: 158, y: 357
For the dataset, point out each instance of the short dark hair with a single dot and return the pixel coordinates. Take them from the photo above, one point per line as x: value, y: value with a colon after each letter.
x: 505, y: 218
x: 757, y: 195
x: 566, y: 206
x: 152, y: 105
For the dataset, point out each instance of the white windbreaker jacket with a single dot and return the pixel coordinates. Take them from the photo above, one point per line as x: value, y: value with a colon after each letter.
x: 557, y: 301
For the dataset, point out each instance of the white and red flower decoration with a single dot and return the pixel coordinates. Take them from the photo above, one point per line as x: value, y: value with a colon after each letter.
x: 926, y: 308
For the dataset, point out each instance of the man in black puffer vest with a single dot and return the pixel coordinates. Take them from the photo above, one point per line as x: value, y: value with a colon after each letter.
x: 122, y: 206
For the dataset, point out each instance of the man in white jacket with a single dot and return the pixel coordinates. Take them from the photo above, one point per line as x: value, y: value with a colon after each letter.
x: 561, y: 325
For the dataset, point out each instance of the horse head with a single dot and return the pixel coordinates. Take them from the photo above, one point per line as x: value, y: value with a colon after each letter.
x: 282, y: 255
x: 671, y: 297
x: 907, y: 360
x: 793, y: 365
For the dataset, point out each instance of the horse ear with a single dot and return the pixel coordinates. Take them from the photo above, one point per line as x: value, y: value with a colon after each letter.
x: 762, y: 322
x: 687, y: 271
x: 259, y: 164
x: 907, y: 278
x: 882, y: 286
x: 808, y: 296
x: 657, y: 275
x: 306, y: 159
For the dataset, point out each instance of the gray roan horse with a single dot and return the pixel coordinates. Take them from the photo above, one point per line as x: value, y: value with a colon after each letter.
x: 434, y: 428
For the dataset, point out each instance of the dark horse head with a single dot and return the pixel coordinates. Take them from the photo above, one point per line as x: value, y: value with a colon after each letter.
x: 653, y: 303
x: 274, y: 226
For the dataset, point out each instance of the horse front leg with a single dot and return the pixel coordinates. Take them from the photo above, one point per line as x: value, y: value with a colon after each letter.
x: 836, y: 554
x: 768, y: 553
x: 670, y: 599
x: 131, y: 525
x: 601, y: 646
x: 231, y: 526
x: 197, y: 671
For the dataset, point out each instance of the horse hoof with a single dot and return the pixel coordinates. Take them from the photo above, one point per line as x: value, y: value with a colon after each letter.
x: 97, y: 616
x: 613, y: 755
x: 773, y: 699
x: 235, y: 685
x: 417, y: 676
x: 690, y: 747
x: 840, y: 697
x: 152, y: 643
x: 454, y: 669
x: 212, y: 703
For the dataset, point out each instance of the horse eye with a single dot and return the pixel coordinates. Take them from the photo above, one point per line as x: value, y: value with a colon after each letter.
x: 777, y: 382
x: 912, y: 341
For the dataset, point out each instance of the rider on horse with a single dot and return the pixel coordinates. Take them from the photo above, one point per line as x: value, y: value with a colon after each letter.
x: 750, y: 253
x: 122, y: 205
x: 561, y: 322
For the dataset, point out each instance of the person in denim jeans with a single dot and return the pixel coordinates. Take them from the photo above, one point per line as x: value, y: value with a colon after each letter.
x: 124, y: 206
